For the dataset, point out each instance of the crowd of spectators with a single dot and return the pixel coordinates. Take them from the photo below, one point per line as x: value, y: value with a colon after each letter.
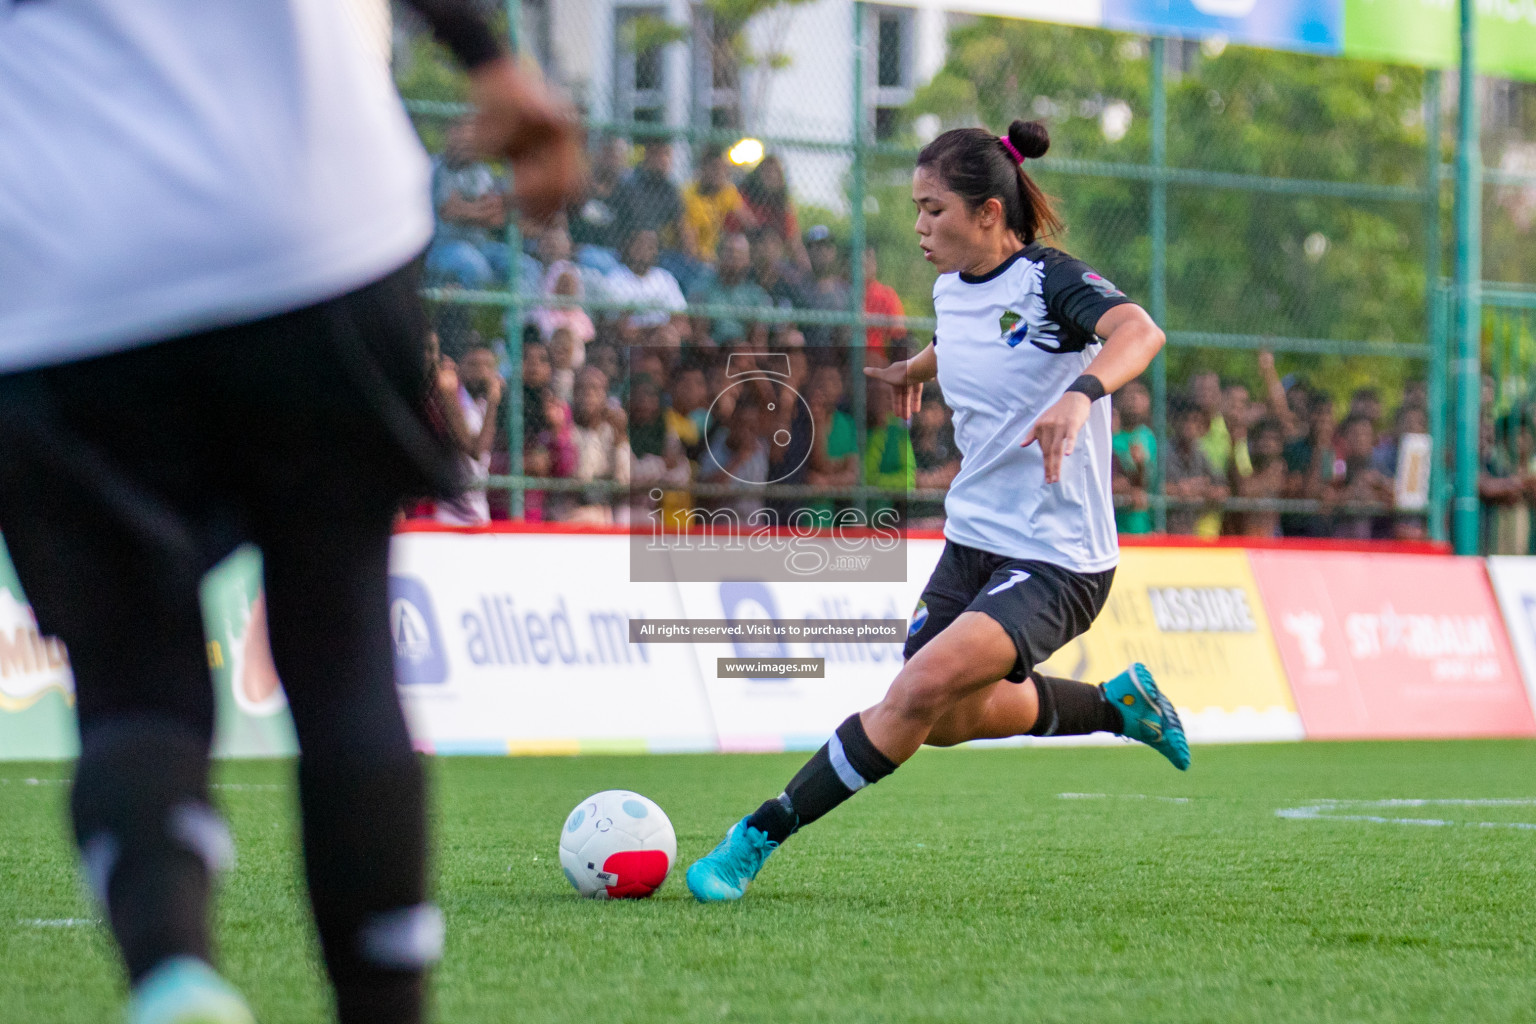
x: 634, y: 392
x: 645, y: 234
x: 644, y: 430
x: 1290, y: 443
x: 634, y: 397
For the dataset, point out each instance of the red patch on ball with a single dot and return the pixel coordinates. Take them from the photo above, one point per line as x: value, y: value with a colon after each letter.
x: 639, y: 873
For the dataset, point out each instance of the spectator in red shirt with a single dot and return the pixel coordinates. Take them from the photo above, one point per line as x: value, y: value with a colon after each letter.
x: 881, y: 300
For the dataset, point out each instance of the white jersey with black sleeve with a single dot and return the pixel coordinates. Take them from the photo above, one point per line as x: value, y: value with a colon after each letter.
x: 169, y: 166
x: 1008, y: 344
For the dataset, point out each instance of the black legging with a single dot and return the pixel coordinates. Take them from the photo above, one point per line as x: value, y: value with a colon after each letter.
x: 122, y: 480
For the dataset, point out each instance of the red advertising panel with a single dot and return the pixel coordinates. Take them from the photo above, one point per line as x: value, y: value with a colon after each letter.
x: 1387, y: 646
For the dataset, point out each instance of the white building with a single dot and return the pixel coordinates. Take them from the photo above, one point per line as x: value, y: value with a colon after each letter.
x: 805, y: 93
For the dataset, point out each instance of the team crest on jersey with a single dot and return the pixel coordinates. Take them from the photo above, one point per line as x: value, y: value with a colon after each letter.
x: 1014, y: 327
x: 1103, y: 287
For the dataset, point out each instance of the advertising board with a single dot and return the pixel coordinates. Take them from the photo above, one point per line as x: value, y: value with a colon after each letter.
x: 1392, y: 646
x: 1312, y: 25
x: 1426, y: 32
x: 518, y: 643
x: 37, y: 690
x: 1195, y: 619
x: 791, y: 713
x: 1514, y: 584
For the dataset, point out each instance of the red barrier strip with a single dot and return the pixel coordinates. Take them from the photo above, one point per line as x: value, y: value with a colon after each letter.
x: 1395, y: 547
x: 1400, y: 547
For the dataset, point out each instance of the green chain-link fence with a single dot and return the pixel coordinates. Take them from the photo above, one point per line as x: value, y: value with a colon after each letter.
x: 1253, y: 200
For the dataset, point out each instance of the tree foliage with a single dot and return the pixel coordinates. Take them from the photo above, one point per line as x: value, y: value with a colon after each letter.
x: 1238, y: 261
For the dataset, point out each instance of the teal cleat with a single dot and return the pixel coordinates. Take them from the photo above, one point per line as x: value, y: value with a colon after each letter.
x: 726, y: 871
x: 1148, y: 715
x: 184, y: 990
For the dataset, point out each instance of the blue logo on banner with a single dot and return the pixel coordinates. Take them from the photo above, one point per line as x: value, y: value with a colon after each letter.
x: 419, y: 656
x: 1313, y: 25
x: 744, y: 600
x: 1530, y: 612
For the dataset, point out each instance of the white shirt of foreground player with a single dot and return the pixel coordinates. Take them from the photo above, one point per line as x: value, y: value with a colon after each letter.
x: 168, y: 166
x: 999, y: 501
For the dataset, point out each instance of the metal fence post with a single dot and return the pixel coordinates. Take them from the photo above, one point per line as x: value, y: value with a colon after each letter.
x: 856, y: 193
x: 1441, y: 381
x: 1157, y: 274
x: 1469, y: 194
x: 512, y: 322
x: 1434, y: 310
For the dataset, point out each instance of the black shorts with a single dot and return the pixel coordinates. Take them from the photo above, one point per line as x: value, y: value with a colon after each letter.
x: 124, y: 478
x: 1042, y: 606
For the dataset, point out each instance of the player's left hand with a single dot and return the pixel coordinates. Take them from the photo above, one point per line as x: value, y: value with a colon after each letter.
x: 1057, y: 430
x: 518, y: 119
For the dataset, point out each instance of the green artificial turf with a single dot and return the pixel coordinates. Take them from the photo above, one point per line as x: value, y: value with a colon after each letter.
x: 964, y: 888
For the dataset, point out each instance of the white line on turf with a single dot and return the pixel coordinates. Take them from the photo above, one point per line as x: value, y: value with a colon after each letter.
x: 1329, y: 810
x: 1122, y: 796
x: 60, y: 922
x: 34, y: 782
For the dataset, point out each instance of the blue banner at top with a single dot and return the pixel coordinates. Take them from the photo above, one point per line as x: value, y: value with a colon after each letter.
x: 1316, y: 26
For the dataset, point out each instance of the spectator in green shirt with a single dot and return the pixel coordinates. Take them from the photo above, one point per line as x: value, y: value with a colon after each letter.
x: 888, y: 459
x: 1135, y: 451
x: 834, y: 459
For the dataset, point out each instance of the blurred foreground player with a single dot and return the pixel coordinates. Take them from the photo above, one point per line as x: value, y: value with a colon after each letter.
x: 210, y: 223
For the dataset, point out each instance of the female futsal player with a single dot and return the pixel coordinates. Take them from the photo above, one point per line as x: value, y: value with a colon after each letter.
x: 1030, y: 545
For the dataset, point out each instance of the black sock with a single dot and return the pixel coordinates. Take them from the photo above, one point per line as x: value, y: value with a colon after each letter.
x: 1069, y: 708
x: 148, y: 838
x: 365, y: 859
x: 844, y: 765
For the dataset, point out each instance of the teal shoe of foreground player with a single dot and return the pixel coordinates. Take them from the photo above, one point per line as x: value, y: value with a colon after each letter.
x: 725, y: 872
x: 184, y: 990
x: 1148, y: 715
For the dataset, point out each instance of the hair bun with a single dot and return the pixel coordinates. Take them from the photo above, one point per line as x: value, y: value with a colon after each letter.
x: 1030, y: 138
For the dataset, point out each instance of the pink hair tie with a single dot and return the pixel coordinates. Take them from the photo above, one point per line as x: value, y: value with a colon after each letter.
x: 1013, y: 151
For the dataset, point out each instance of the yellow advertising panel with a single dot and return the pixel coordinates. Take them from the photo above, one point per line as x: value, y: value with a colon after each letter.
x: 1195, y: 619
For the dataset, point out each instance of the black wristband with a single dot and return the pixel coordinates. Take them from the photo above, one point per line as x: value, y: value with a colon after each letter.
x: 1088, y: 385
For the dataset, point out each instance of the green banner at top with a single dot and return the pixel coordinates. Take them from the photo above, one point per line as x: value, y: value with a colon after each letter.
x: 1426, y: 32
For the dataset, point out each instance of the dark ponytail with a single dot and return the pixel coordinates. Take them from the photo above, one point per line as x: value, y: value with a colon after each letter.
x: 977, y: 165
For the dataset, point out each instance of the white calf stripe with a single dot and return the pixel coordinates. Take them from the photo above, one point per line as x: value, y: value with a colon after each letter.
x: 406, y: 939
x: 845, y: 771
x: 199, y: 828
x: 98, y: 857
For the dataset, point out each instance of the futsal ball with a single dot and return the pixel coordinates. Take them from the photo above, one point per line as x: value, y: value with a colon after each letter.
x: 617, y: 845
